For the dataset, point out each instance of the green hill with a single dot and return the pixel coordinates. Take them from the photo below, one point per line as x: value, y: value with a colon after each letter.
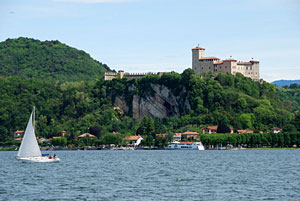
x: 50, y: 60
x: 187, y: 101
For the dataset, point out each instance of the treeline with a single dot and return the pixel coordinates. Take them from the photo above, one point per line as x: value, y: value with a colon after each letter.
x: 75, y: 107
x: 252, y: 140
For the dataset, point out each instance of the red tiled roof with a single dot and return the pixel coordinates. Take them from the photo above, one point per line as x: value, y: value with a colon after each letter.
x: 244, y: 131
x: 218, y: 62
x: 177, y: 133
x: 19, y: 131
x: 213, y: 128
x: 230, y: 59
x: 18, y: 139
x: 207, y: 58
x: 244, y: 63
x: 56, y: 137
x: 63, y: 131
x: 86, y: 134
x: 133, y: 137
x: 190, y: 133
x: 198, y: 48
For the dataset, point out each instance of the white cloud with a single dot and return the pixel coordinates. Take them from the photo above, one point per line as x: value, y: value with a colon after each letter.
x: 94, y: 1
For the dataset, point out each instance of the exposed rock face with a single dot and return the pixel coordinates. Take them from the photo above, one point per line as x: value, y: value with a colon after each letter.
x: 162, y: 104
x: 120, y: 104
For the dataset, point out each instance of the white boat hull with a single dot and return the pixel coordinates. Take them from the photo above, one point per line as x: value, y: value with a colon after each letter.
x: 41, y: 159
x: 185, y: 146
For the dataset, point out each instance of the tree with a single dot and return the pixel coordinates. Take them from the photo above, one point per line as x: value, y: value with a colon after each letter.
x: 170, y: 136
x: 95, y: 130
x: 112, y: 139
x: 3, y: 134
x: 247, y: 120
x: 59, y: 141
x: 147, y: 126
x: 223, y: 129
x: 297, y: 121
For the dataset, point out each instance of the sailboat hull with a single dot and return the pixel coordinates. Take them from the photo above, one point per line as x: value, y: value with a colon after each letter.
x: 39, y: 159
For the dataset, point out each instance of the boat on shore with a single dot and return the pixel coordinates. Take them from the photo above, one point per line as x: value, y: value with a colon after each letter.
x: 29, y: 150
x: 185, y: 146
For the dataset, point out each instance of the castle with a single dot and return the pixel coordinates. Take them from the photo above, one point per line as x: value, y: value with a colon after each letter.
x: 202, y: 64
x: 121, y: 74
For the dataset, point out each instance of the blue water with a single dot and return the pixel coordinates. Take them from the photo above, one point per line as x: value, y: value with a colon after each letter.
x: 154, y: 175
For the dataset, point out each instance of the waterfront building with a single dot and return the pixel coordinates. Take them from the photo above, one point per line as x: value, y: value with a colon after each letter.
x: 276, y: 130
x: 201, y: 64
x: 244, y: 131
x: 135, y: 140
x: 213, y: 129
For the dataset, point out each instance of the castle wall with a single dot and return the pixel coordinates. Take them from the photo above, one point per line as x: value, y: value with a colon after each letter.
x: 205, y: 64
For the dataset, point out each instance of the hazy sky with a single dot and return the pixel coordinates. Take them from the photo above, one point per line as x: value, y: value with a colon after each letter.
x: 157, y: 35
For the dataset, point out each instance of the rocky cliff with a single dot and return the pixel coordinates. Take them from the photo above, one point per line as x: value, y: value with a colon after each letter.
x: 162, y: 103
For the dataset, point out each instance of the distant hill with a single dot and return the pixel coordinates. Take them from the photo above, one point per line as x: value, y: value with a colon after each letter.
x: 51, y: 60
x: 281, y: 83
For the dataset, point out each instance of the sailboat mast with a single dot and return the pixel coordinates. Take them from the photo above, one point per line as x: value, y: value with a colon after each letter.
x: 33, y: 117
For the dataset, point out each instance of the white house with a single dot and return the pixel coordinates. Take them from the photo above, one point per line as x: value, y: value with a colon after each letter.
x: 135, y: 140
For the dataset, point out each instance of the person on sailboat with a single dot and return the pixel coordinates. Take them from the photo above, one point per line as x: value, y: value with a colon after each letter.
x: 54, y: 156
x: 50, y: 157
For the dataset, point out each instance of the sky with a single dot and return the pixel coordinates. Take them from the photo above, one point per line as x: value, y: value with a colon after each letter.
x: 157, y: 35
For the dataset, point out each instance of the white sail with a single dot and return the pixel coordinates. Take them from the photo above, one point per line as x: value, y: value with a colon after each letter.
x: 29, y: 146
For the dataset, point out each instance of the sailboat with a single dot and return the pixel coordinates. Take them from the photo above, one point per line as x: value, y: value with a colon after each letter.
x: 29, y: 150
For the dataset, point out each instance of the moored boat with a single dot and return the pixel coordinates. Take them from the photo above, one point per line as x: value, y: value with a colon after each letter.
x: 185, y: 146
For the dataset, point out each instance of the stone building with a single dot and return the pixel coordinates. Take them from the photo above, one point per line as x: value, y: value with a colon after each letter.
x: 201, y: 64
x: 121, y: 74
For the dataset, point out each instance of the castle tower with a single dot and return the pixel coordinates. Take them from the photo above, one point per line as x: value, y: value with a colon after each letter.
x: 197, y: 53
x: 121, y: 73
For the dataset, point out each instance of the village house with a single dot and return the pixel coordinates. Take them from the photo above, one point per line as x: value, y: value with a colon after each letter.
x: 177, y: 137
x: 189, y: 135
x: 213, y: 129
x: 19, y: 133
x: 134, y: 140
x: 244, y: 131
x: 86, y: 135
x: 276, y: 130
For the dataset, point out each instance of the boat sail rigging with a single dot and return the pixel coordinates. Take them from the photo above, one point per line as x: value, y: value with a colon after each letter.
x: 29, y: 149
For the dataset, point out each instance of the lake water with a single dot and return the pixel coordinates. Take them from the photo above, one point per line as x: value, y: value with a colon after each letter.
x: 154, y: 175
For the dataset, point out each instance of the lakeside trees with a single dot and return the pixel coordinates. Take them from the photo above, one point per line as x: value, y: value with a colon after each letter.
x: 78, y: 106
x: 252, y: 139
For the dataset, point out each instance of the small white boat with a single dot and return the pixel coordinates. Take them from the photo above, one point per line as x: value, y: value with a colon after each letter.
x: 29, y: 150
x: 185, y: 146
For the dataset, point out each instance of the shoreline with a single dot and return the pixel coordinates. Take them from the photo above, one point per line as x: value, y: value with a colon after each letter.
x: 138, y: 148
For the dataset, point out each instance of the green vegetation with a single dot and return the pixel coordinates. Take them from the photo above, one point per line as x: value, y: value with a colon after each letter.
x: 51, y: 60
x: 252, y: 140
x: 87, y: 105
x: 290, y: 95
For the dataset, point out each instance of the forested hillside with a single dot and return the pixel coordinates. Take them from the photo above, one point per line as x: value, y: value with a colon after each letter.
x: 51, y: 60
x: 199, y: 101
x: 290, y: 95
